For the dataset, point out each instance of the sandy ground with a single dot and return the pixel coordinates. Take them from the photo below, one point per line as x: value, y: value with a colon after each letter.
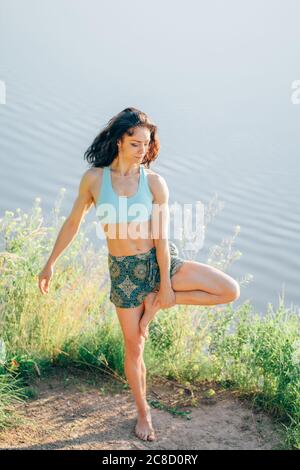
x: 75, y: 409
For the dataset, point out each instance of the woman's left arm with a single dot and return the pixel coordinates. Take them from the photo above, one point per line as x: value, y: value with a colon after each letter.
x: 160, y: 232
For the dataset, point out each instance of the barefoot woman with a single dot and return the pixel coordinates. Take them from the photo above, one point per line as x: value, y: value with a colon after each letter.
x: 145, y: 272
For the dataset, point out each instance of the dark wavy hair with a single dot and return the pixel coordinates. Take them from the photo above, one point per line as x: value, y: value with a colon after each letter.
x: 104, y: 148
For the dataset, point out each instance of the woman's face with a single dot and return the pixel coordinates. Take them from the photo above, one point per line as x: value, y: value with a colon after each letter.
x: 135, y: 147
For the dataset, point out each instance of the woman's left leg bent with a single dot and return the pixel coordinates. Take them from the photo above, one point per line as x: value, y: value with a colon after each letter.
x: 196, y: 283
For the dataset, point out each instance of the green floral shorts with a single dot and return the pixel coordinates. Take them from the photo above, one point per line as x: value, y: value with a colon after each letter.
x: 133, y: 277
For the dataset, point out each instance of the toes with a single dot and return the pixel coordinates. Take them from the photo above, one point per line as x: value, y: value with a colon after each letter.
x: 145, y: 437
x: 144, y: 331
x: 141, y: 435
x: 144, y: 334
x: 152, y: 437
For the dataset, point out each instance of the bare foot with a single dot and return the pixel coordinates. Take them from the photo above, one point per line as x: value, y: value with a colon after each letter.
x: 148, y: 314
x: 144, y: 429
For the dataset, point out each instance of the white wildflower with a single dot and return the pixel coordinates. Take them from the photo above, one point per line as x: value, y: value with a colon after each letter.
x: 2, y: 351
x: 296, y: 352
x: 261, y: 381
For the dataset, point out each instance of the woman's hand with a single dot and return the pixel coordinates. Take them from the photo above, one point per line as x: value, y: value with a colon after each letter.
x: 45, y: 278
x: 165, y: 298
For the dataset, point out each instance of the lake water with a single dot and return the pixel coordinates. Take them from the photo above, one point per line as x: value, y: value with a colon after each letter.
x: 216, y: 77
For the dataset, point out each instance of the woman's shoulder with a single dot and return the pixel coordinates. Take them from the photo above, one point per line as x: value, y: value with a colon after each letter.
x: 94, y: 170
x: 93, y: 173
x: 156, y: 182
x: 92, y: 180
x: 154, y: 176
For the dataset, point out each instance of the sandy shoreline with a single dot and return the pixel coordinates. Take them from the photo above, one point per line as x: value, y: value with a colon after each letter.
x: 79, y: 411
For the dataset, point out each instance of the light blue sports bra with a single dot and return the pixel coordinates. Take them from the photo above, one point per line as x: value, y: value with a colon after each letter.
x: 112, y: 208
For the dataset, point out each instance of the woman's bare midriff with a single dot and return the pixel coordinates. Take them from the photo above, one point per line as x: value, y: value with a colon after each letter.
x: 123, y: 238
x: 126, y: 239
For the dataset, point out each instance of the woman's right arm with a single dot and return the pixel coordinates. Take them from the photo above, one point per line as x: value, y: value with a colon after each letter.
x: 69, y: 229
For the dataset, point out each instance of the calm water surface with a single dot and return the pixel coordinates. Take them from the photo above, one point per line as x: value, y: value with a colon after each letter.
x: 215, y: 78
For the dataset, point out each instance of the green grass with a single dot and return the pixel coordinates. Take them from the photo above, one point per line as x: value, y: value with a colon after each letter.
x: 75, y: 324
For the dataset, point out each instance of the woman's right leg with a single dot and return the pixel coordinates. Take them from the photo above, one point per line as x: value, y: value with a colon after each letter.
x: 134, y: 367
x: 134, y: 346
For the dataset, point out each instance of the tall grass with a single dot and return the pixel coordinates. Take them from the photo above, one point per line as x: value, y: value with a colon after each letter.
x: 76, y: 324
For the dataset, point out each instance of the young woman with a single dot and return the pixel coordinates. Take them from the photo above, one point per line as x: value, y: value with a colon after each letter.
x: 145, y: 271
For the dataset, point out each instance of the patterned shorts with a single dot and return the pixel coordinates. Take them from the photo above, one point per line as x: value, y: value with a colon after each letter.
x: 133, y: 277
